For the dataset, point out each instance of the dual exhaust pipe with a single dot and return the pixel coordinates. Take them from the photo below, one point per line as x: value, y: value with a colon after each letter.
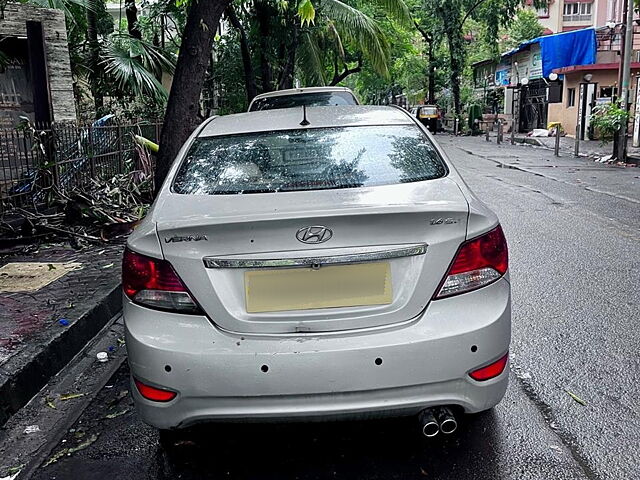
x: 435, y: 420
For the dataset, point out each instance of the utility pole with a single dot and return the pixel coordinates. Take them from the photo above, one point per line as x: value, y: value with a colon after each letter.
x: 626, y: 78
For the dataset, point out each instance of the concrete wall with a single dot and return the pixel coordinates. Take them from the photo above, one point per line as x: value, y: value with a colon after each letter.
x: 554, y: 21
x: 601, y: 12
x: 568, y: 116
x: 57, y: 50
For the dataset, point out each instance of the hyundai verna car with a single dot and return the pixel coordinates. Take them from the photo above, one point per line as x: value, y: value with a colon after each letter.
x: 316, y: 263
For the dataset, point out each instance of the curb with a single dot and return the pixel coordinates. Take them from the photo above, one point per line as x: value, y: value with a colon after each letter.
x: 23, y: 375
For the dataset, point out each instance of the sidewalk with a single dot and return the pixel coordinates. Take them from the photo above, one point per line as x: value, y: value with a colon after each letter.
x: 52, y: 302
x: 588, y: 148
x: 619, y: 181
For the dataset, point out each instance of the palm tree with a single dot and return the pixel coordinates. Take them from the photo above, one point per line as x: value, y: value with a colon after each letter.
x: 134, y: 67
x: 318, y: 37
x: 341, y: 25
x: 121, y: 65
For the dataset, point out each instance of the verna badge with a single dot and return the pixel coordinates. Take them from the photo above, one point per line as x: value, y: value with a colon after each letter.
x: 315, y: 234
x: 186, y: 238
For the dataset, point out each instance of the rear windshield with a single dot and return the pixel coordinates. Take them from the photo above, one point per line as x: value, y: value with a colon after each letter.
x: 311, y: 159
x: 317, y: 99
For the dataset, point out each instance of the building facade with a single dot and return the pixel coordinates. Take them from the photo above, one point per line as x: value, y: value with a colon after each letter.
x: 566, y: 15
x: 525, y: 80
x: 35, y: 76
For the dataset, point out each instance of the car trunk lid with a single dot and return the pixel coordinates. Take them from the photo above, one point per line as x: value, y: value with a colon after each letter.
x: 243, y: 259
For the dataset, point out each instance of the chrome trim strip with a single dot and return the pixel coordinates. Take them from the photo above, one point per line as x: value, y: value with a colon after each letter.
x: 213, y: 262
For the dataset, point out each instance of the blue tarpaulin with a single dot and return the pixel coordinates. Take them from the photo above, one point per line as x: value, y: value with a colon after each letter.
x: 577, y: 47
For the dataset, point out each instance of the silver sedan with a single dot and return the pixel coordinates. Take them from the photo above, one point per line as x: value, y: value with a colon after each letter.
x: 314, y: 263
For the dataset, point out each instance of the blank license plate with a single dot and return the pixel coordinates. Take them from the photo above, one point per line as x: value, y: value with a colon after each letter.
x: 327, y: 287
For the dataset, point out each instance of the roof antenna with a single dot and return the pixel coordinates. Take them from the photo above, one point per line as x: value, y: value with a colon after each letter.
x: 304, y: 121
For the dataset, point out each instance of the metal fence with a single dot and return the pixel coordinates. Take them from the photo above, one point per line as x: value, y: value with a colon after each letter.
x: 611, y: 39
x: 62, y: 157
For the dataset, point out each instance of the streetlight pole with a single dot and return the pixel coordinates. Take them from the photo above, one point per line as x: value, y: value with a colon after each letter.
x: 626, y: 78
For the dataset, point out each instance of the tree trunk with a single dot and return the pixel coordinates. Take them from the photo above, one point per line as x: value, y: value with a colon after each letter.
x: 249, y: 76
x: 286, y: 79
x: 456, y: 57
x: 94, y: 58
x: 181, y: 116
x: 131, y: 11
x: 431, y: 73
x: 264, y: 17
x: 431, y: 76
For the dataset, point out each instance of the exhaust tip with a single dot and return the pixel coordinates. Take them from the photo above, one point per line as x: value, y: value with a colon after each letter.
x: 430, y: 429
x: 449, y: 426
x: 428, y: 423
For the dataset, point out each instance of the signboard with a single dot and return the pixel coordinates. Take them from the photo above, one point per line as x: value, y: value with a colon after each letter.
x: 522, y: 70
x: 636, y: 120
x: 503, y: 73
x: 535, y: 68
x: 580, y: 126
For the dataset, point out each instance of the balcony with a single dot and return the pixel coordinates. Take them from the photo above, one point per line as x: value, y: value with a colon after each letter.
x: 586, y: 18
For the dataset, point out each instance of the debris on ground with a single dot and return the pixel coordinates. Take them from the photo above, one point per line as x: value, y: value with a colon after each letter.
x: 121, y: 395
x: 117, y: 414
x: 539, y: 132
x: 31, y: 429
x: 102, y: 357
x: 604, y: 159
x: 71, y: 396
x: 13, y: 472
x: 69, y: 451
x: 576, y: 398
x: 95, y: 212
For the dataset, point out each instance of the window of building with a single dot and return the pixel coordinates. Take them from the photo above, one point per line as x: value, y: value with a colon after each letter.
x: 577, y: 12
x: 608, y: 92
x: 543, y: 12
x: 571, y: 97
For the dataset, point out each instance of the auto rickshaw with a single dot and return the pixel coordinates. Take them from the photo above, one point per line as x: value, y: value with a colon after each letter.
x: 429, y: 116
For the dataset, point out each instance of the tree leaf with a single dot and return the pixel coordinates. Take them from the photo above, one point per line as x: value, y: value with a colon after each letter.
x: 306, y: 12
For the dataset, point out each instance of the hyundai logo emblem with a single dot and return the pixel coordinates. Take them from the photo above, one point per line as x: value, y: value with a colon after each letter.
x: 315, y: 234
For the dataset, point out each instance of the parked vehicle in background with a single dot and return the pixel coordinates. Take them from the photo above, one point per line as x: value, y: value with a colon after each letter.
x: 310, y: 96
x: 333, y: 268
x: 429, y: 116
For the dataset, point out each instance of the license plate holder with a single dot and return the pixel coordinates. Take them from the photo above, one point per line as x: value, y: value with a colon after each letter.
x: 334, y: 286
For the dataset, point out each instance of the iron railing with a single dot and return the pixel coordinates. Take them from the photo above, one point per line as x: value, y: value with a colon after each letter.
x: 36, y: 160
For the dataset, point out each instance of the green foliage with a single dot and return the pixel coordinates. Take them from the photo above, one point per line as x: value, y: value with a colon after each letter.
x: 132, y: 67
x: 306, y: 12
x: 608, y: 119
x: 408, y: 65
x: 359, y: 31
x: 525, y: 26
x: 229, y: 79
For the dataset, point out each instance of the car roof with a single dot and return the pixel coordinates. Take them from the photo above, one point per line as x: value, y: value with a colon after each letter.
x: 297, y: 91
x: 318, y: 117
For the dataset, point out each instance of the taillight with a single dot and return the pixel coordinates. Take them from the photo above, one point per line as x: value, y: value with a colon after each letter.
x: 153, y: 393
x: 478, y: 263
x: 490, y: 371
x: 153, y: 283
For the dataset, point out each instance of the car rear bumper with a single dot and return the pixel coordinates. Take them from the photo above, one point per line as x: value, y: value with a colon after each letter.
x: 396, y: 370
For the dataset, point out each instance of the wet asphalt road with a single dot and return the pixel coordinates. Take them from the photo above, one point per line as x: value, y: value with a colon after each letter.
x: 575, y: 258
